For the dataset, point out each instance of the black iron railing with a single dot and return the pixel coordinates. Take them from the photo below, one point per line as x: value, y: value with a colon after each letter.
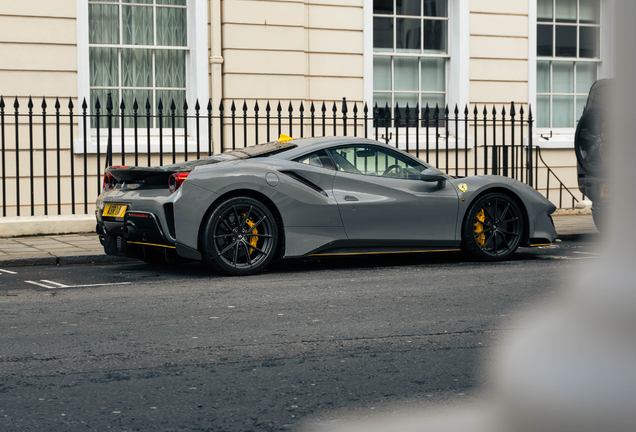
x: 64, y: 177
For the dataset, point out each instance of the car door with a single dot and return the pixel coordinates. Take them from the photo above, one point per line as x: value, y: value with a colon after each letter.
x: 382, y: 199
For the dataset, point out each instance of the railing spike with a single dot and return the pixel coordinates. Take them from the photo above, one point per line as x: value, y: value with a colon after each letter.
x: 1, y: 102
x: 485, y: 111
x: 148, y: 106
x: 366, y: 108
x: 185, y: 105
x: 268, y: 108
x: 57, y: 104
x: 512, y: 109
x: 355, y: 107
x: 244, y: 105
x: 160, y: 106
x: 466, y: 110
x: 475, y: 111
x: 197, y: 106
x: 135, y: 105
x: 122, y: 105
x: 70, y: 103
x: 324, y: 108
x: 521, y: 110
x: 279, y: 108
x: 494, y: 110
x: 344, y: 105
x: 256, y: 108
x: 312, y: 109
x: 30, y: 104
x: 43, y: 103
x: 290, y: 108
x: 446, y: 111
x: 503, y: 111
x: 173, y: 106
x: 97, y: 104
x: 334, y: 108
x: 456, y: 110
x: 84, y: 104
x: 302, y: 107
x: 233, y: 107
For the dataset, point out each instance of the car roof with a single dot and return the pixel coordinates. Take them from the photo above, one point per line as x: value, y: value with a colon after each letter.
x: 304, y: 145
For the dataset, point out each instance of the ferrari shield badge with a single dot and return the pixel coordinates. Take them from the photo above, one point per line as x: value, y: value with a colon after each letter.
x: 462, y: 187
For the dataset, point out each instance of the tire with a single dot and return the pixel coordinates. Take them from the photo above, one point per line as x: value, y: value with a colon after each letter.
x: 590, y: 140
x: 493, y: 228
x: 229, y: 244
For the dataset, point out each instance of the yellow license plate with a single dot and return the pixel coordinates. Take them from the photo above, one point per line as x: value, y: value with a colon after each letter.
x: 605, y: 191
x: 115, y: 210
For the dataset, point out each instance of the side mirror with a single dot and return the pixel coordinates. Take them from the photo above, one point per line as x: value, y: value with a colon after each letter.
x: 433, y: 175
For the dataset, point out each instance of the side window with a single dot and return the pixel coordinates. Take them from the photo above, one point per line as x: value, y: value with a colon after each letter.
x: 375, y: 161
x: 318, y: 159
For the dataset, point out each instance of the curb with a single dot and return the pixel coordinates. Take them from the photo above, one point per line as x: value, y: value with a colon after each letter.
x: 48, y: 260
x: 582, y: 237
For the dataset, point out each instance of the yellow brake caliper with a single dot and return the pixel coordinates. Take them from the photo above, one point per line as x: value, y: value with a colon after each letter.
x: 253, y: 237
x: 479, y: 227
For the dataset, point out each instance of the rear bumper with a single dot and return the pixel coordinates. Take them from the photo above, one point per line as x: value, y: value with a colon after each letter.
x: 137, y: 235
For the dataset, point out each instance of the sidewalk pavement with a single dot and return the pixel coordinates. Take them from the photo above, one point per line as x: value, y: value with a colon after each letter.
x: 85, y: 248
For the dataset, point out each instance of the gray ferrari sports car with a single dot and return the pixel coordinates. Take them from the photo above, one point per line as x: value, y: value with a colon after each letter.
x: 292, y: 198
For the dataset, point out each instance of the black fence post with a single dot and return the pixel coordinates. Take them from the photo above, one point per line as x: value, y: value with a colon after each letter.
x: 495, y: 161
x: 334, y: 109
x: 173, y: 121
x: 302, y: 117
x: 233, y: 111
x: 16, y: 106
x: 387, y: 114
x: 312, y: 110
x: 148, y: 126
x: 355, y: 119
x: 485, y: 113
x: 530, y: 178
x: 221, y: 127
x: 197, y: 115
x: 521, y: 144
x: 366, y: 120
x: 417, y: 130
x: 475, y: 126
x: 4, y: 172
x: 85, y: 141
x: 244, y: 123
x: 324, y: 114
x: 290, y: 109
x: 57, y: 149
x: 376, y: 115
x: 427, y: 116
x: 268, y: 110
x: 344, y: 117
x: 30, y: 106
x: 396, y: 124
x: 504, y: 149
x: 256, y: 109
x: 135, y: 123
x: 109, y: 125
x: 436, y: 119
x: 160, y: 120
x: 44, y: 171
x: 122, y: 108
x: 185, y: 129
x: 512, y: 140
x: 446, y: 112
x: 72, y: 155
x: 407, y: 118
x: 279, y: 110
x: 456, y: 140
x: 466, y: 141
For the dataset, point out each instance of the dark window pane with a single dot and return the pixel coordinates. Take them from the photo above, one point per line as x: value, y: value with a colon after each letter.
x: 383, y: 7
x: 565, y: 41
x: 383, y: 34
x: 408, y: 7
x: 408, y: 34
x: 544, y: 10
x: 544, y: 40
x: 588, y: 42
x: 436, y: 8
x: 435, y: 36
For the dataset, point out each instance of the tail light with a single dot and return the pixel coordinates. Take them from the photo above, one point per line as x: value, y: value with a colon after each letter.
x: 176, y: 180
x: 109, y: 182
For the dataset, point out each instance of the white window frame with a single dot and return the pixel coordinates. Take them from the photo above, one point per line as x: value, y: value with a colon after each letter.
x: 458, y: 63
x: 197, y: 87
x: 564, y: 137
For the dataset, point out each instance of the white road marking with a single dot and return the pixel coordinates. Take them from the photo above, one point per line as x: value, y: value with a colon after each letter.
x: 8, y: 271
x: 556, y: 257
x: 54, y: 285
x: 589, y: 253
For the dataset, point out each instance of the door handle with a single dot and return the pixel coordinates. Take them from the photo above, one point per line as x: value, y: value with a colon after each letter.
x: 350, y: 198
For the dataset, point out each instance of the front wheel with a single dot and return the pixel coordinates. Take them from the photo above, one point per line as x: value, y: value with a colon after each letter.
x: 239, y: 237
x: 493, y: 228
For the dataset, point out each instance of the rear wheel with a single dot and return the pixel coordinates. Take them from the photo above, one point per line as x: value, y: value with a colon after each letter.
x: 239, y: 237
x: 493, y: 228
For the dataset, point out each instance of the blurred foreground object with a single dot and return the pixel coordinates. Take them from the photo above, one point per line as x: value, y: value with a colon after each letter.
x: 572, y: 368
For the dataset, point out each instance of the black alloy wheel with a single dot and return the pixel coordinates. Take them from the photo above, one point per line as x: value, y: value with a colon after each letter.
x: 590, y: 140
x: 493, y: 228
x: 239, y: 237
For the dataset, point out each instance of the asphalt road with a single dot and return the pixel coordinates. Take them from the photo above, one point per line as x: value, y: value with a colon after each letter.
x: 133, y: 346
